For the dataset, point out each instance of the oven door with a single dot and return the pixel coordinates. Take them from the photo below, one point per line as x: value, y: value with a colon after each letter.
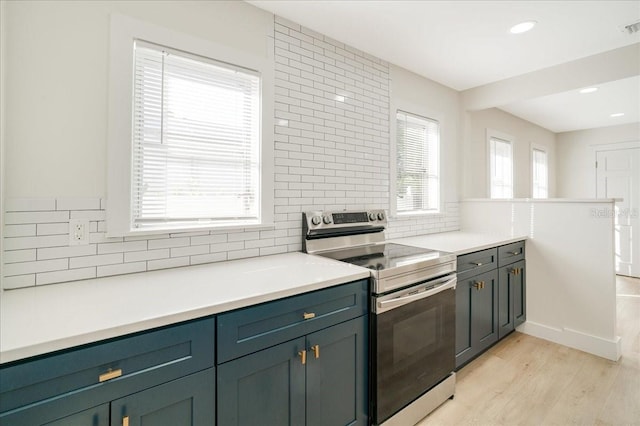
x: 413, y: 343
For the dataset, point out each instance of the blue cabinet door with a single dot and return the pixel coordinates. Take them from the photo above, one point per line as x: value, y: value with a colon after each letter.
x: 337, y: 372
x: 266, y: 388
x: 512, y: 297
x: 520, y: 295
x: 476, y: 315
x: 188, y: 401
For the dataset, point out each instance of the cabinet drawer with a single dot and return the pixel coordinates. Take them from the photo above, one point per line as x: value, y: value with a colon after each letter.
x: 477, y: 263
x: 254, y: 328
x: 510, y: 253
x: 113, y: 368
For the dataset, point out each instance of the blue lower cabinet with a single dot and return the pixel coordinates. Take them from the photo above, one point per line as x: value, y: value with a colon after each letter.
x: 337, y: 385
x: 265, y: 388
x: 317, y: 379
x: 189, y: 401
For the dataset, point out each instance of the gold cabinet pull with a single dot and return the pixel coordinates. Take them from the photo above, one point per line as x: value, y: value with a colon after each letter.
x: 303, y: 356
x: 479, y: 285
x: 316, y: 351
x: 515, y: 253
x: 111, y: 374
x: 125, y: 421
x: 308, y: 315
x: 477, y: 263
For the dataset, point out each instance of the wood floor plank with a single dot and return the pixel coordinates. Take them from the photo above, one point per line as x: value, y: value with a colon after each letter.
x: 524, y: 380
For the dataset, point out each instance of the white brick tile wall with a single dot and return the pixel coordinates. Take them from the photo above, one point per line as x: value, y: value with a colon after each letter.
x: 331, y: 151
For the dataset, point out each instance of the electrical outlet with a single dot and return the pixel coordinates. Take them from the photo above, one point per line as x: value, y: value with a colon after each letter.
x: 78, y: 232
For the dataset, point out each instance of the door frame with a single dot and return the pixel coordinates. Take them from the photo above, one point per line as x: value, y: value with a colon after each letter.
x: 593, y: 155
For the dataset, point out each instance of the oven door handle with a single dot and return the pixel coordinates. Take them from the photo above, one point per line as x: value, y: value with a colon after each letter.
x: 386, y: 305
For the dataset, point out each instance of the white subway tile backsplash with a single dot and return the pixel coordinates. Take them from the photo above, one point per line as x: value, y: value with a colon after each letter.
x: 52, y: 228
x: 23, y: 268
x: 331, y: 140
x: 16, y: 218
x: 20, y: 230
x: 29, y: 204
x: 67, y: 275
x: 97, y: 260
x: 167, y: 263
x: 119, y: 269
x: 19, y: 281
x: 136, y: 256
x: 68, y: 251
x: 19, y: 256
x: 17, y: 243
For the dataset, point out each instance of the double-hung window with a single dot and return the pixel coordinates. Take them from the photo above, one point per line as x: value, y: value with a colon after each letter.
x: 540, y: 173
x: 196, y: 140
x: 417, y: 164
x: 190, y: 143
x: 500, y: 168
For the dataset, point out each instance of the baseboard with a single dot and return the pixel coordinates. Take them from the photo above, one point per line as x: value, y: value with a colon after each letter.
x: 609, y: 349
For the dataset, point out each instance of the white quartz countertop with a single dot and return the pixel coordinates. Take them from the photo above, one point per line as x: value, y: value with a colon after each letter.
x: 459, y: 242
x: 38, y: 320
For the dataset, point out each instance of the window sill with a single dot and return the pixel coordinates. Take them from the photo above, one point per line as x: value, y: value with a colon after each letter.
x: 414, y: 214
x: 209, y: 228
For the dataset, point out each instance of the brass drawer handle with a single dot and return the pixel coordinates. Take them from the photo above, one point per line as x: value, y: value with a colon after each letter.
x: 515, y: 253
x: 125, y: 421
x: 308, y: 315
x: 477, y: 263
x: 479, y: 285
x: 303, y: 356
x: 516, y: 271
x: 111, y: 374
x: 316, y: 351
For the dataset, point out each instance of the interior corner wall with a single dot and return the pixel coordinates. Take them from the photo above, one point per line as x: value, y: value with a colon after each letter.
x: 525, y: 133
x: 575, y: 164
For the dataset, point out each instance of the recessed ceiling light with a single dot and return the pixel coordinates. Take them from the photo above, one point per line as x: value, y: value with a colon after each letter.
x: 617, y: 114
x: 523, y: 27
x: 589, y: 90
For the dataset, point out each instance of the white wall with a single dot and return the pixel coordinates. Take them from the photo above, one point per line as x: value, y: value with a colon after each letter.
x: 525, y: 133
x: 571, y: 291
x: 575, y: 165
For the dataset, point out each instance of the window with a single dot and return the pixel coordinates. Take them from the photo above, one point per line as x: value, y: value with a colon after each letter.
x: 540, y: 174
x: 417, y: 164
x: 500, y: 168
x: 195, y: 139
x: 190, y: 136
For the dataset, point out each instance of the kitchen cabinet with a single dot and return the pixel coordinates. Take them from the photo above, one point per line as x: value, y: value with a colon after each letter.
x: 296, y: 361
x: 167, y: 372
x: 490, y: 298
x: 476, y: 304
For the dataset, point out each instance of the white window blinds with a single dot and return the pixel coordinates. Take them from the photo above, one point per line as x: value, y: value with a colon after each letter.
x: 417, y: 163
x: 540, y: 174
x: 196, y: 140
x: 500, y: 168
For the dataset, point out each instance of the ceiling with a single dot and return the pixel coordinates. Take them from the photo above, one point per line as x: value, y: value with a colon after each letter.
x: 466, y: 44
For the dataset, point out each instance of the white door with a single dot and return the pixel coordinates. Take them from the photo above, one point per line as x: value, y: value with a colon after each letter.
x: 618, y: 176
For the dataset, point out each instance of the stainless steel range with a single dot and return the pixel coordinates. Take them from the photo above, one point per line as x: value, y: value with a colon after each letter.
x: 412, y: 331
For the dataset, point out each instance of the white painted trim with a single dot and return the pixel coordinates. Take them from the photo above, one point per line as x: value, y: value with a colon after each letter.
x: 540, y: 200
x: 492, y: 133
x: 396, y: 105
x: 593, y: 154
x: 124, y: 30
x: 3, y: 103
x: 605, y: 348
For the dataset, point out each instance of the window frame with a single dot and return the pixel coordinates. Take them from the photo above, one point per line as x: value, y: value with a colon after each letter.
x: 536, y: 147
x: 123, y: 32
x: 504, y: 137
x: 419, y: 111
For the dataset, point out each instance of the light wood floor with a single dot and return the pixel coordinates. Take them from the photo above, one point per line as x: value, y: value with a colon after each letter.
x: 524, y: 380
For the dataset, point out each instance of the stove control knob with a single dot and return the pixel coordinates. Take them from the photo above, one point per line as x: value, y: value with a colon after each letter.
x: 372, y: 217
x: 315, y: 220
x: 326, y: 219
x: 381, y: 216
